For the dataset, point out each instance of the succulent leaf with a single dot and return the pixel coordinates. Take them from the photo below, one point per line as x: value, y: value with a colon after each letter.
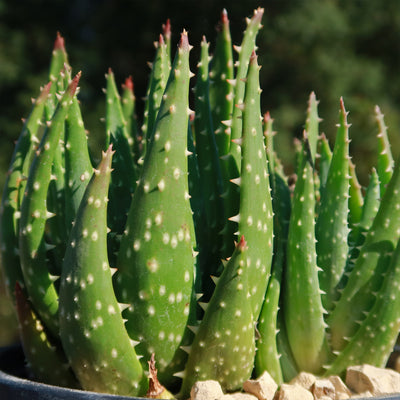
x: 128, y: 103
x: 91, y: 326
x: 223, y: 348
x: 255, y: 210
x: 385, y: 163
x: 379, y: 331
x: 58, y: 60
x: 60, y: 75
x: 46, y: 360
x: 371, y: 202
x: 303, y: 311
x: 356, y: 198
x: 268, y: 356
x: 210, y: 241
x: 221, y: 88
x: 156, y: 260
x: 312, y: 124
x: 14, y: 188
x: 245, y: 50
x: 34, y: 213
x: 325, y: 157
x: 123, y: 179
x: 357, y: 234
x: 230, y: 197
x: 167, y: 38
x: 366, y: 276
x: 158, y: 81
x: 78, y: 167
x: 332, y: 225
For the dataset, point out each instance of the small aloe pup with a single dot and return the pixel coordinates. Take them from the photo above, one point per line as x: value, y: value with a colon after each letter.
x: 91, y: 327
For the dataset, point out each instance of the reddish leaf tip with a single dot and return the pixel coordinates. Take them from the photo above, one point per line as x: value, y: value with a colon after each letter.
x: 224, y: 16
x: 184, y: 43
x: 59, y: 43
x: 46, y: 88
x: 128, y: 84
x: 342, y: 108
x: 167, y: 29
x: 74, y: 83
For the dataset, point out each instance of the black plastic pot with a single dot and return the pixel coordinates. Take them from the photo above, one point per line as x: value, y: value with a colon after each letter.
x: 14, y: 384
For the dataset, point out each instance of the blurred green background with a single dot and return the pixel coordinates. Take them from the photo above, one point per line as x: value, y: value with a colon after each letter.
x: 333, y: 47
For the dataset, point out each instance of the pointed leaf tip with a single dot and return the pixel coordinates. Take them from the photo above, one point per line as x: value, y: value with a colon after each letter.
x: 342, y: 105
x: 74, y: 84
x: 167, y: 28
x: 161, y: 40
x: 267, y: 117
x: 128, y: 84
x: 46, y: 89
x: 184, y: 43
x: 110, y: 149
x: 253, y: 57
x: 224, y: 16
x: 59, y: 43
x: 258, y: 13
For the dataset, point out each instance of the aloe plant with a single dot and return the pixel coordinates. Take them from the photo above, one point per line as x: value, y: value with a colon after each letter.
x: 187, y: 246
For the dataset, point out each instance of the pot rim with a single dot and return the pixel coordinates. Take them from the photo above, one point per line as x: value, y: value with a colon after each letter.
x: 17, y: 388
x: 14, y: 387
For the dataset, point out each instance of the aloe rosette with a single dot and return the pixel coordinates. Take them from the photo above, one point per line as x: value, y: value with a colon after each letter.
x: 189, y: 246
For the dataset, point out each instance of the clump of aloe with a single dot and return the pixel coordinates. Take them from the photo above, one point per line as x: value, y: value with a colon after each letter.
x: 185, y: 245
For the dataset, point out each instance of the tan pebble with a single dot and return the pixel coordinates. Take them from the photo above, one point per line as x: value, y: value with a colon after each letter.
x: 293, y: 392
x: 341, y: 390
x: 323, y: 388
x: 264, y: 387
x: 206, y: 390
x: 378, y: 381
x: 304, y: 379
